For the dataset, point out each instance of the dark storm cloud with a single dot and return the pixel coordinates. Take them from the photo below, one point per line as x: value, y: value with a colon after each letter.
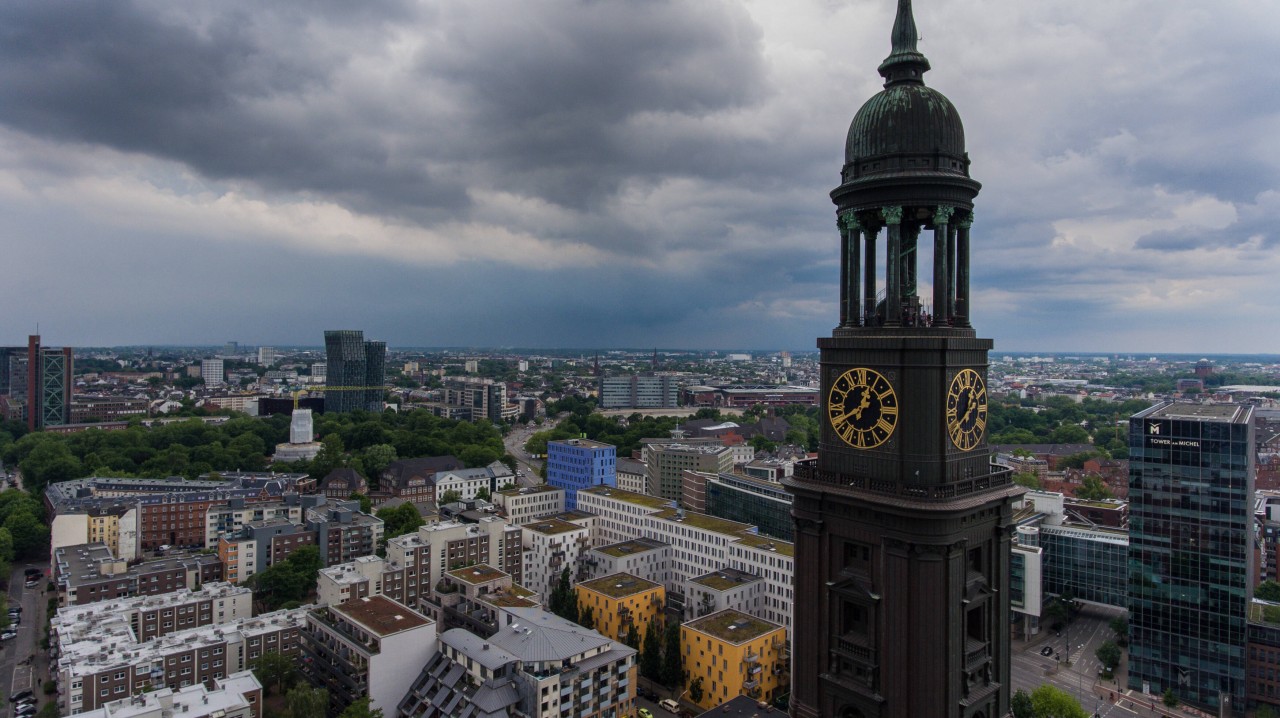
x: 540, y: 99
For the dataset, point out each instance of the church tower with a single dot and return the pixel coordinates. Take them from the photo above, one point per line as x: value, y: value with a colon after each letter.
x: 903, y: 524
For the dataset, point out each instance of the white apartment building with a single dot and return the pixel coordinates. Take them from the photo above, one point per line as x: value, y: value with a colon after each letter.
x: 100, y: 660
x: 642, y: 557
x: 335, y: 585
x: 370, y: 646
x: 211, y: 372
x: 467, y: 482
x: 237, y: 696
x: 550, y: 546
x: 155, y: 616
x: 699, y: 544
x: 522, y: 505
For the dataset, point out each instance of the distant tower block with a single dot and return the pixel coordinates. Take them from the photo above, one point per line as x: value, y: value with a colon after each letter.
x: 301, y: 428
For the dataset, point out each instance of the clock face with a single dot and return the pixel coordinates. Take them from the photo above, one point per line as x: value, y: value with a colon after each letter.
x: 967, y: 409
x: 862, y: 408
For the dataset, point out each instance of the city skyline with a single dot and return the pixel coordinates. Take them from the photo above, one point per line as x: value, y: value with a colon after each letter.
x: 562, y: 175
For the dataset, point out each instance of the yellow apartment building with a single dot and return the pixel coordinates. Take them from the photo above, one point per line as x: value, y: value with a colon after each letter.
x: 734, y: 654
x: 620, y: 600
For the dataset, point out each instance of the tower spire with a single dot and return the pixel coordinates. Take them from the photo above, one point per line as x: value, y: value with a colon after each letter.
x: 905, y: 63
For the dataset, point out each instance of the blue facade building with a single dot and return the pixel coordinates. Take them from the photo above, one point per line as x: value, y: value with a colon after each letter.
x: 1191, y: 479
x: 574, y: 464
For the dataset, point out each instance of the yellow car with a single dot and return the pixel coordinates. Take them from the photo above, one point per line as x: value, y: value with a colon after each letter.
x: 644, y: 713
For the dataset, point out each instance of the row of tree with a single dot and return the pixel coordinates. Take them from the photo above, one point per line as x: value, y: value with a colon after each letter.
x: 361, y: 440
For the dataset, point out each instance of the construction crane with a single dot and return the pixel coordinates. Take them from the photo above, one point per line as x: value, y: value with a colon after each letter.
x: 297, y: 394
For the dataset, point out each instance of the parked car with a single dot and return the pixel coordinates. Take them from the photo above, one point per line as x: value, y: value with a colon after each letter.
x: 15, y: 609
x: 667, y: 704
x: 32, y: 571
x: 15, y: 697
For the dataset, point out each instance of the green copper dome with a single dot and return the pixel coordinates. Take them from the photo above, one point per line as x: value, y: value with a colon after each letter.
x: 906, y: 118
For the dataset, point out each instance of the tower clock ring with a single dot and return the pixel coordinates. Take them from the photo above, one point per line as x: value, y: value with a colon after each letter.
x: 862, y: 408
x: 967, y: 409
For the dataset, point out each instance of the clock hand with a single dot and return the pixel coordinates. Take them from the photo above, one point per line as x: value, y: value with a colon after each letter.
x: 865, y: 403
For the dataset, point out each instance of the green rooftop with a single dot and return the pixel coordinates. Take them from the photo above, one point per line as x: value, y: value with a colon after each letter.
x: 631, y: 497
x: 552, y: 527
x: 783, y: 547
x: 733, y: 626
x: 515, y: 597
x: 723, y: 580
x: 479, y: 573
x: 619, y: 585
x: 626, y: 548
x: 704, y: 522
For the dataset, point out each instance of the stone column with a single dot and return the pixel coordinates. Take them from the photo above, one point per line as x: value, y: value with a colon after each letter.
x: 962, y: 271
x: 941, y: 275
x: 910, y: 259
x: 869, y: 276
x: 842, y: 226
x: 892, y: 216
x: 951, y: 273
x: 851, y: 266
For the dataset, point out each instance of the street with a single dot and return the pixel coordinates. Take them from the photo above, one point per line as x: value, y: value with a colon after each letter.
x: 514, y: 442
x: 1078, y: 642
x: 15, y: 674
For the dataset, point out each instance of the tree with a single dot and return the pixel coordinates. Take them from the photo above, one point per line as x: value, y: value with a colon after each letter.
x: 587, y: 618
x: 1170, y: 699
x: 1268, y: 591
x: 672, y: 659
x: 1120, y: 626
x: 29, y: 536
x: 651, y: 653
x: 1027, y: 479
x: 1050, y: 702
x: 366, y: 503
x: 332, y: 456
x: 306, y: 702
x: 632, y: 638
x: 1265, y: 711
x: 1108, y: 654
x: 563, y: 600
x: 450, y: 496
x: 1093, y: 489
x: 695, y: 690
x: 400, y: 520
x: 483, y: 494
x: 361, y: 709
x: 376, y: 458
x: 276, y: 670
x: 1021, y: 705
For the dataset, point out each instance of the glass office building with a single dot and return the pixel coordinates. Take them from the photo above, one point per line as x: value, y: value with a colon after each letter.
x: 355, y: 372
x: 752, y: 501
x: 1090, y: 564
x: 1191, y: 474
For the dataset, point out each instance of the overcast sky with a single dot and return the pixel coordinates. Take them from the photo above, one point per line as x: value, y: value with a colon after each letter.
x: 619, y: 174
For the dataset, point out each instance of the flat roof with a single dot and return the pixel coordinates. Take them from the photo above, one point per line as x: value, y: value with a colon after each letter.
x: 733, y: 626
x: 632, y: 547
x: 619, y: 585
x: 726, y: 578
x: 703, y: 521
x: 786, y: 548
x: 381, y: 615
x: 1200, y: 412
x: 526, y: 490
x: 552, y: 527
x: 631, y: 497
x: 479, y: 573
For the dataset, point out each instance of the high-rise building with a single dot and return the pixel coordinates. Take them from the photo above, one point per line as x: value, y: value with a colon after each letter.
x: 639, y: 391
x: 267, y: 356
x: 211, y: 370
x: 355, y: 371
x: 1191, y: 476
x: 40, y: 384
x: 574, y: 464
x: 903, y: 523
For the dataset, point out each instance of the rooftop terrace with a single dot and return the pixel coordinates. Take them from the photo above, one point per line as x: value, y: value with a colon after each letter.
x: 733, y: 626
x: 619, y: 585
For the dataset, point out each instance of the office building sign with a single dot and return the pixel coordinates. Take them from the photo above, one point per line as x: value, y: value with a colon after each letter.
x: 1158, y: 436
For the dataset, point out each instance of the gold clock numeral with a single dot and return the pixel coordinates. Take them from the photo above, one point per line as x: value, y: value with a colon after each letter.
x: 966, y: 428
